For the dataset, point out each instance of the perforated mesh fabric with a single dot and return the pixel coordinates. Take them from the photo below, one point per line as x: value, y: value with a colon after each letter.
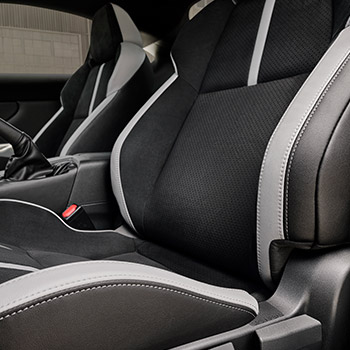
x: 82, y: 110
x: 229, y: 66
x: 192, y: 187
x: 341, y: 14
x: 204, y: 202
x: 299, y: 35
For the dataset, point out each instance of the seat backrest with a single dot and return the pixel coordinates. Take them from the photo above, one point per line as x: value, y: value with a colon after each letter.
x: 102, y: 96
x: 188, y: 171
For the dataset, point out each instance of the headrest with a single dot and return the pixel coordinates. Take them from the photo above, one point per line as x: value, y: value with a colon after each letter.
x: 111, y: 26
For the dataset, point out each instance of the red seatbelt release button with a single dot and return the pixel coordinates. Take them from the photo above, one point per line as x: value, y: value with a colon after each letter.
x: 69, y: 211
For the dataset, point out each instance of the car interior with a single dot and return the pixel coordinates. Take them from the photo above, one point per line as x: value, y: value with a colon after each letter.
x: 195, y: 199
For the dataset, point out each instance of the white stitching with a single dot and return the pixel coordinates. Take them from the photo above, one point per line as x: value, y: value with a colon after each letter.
x: 302, y: 134
x: 17, y: 201
x: 124, y: 285
x: 291, y: 142
x: 129, y: 276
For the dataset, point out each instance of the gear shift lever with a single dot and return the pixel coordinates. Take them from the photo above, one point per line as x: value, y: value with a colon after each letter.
x: 28, y: 162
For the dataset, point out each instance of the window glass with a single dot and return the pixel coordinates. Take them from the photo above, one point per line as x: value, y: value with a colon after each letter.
x: 41, y: 41
x: 199, y: 6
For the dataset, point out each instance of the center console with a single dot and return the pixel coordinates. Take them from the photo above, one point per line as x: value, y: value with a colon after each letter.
x: 82, y: 179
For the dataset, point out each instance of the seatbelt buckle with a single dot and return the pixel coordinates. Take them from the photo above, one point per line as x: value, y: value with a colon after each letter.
x: 76, y: 217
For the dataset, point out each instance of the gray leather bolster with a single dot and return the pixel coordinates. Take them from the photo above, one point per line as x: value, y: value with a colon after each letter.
x: 93, y: 305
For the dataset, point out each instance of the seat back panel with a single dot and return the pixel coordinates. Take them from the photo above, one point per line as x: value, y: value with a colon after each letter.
x: 204, y: 201
x: 146, y: 149
x: 190, y: 166
x: 230, y: 64
x: 197, y: 41
x: 300, y: 33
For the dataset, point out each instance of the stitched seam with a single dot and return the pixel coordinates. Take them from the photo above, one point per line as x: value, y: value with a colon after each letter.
x: 290, y: 145
x: 244, y: 87
x: 121, y: 285
x: 86, y: 280
x: 302, y: 134
x: 284, y: 160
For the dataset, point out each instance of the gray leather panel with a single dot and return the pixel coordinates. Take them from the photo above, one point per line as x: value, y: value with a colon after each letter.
x: 56, y: 280
x: 274, y: 168
x: 47, y: 125
x: 6, y: 150
x: 129, y: 30
x: 129, y: 62
x: 260, y: 42
x: 125, y: 231
x: 8, y: 266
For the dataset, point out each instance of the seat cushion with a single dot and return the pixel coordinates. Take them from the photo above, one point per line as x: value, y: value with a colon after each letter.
x: 33, y: 238
x: 51, y: 271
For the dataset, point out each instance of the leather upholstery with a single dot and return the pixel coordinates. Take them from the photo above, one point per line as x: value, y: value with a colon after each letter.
x: 192, y: 173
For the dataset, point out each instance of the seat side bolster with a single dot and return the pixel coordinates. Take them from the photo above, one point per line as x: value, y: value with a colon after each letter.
x: 58, y: 280
x: 274, y: 169
x: 111, y: 305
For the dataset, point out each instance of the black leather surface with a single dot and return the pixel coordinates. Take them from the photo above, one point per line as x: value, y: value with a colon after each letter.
x: 317, y: 188
x: 122, y: 315
x: 28, y: 162
x: 333, y: 200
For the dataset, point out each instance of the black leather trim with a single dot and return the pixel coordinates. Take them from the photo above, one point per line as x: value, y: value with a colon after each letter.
x: 317, y: 188
x: 333, y: 187
x: 115, y: 315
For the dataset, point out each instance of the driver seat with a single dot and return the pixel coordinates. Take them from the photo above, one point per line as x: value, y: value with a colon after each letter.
x: 106, y: 91
x: 233, y: 163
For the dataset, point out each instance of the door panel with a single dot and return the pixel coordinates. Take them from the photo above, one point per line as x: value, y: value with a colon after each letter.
x: 30, y: 117
x: 8, y: 109
x: 29, y: 101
